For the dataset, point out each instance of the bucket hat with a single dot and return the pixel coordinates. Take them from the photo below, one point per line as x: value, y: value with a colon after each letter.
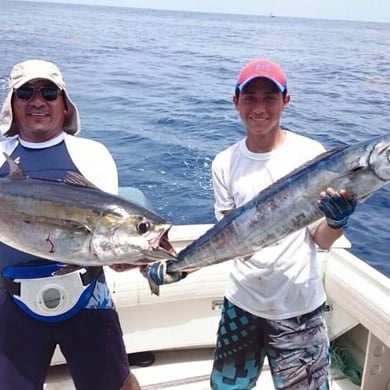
x: 26, y: 71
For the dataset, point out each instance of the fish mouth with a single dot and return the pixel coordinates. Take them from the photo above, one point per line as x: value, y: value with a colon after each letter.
x: 162, y: 244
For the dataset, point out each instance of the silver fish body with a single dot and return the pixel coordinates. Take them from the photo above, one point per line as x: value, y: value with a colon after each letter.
x: 74, y: 222
x: 290, y: 204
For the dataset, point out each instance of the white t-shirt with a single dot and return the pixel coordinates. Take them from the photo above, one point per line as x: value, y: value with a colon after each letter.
x: 284, y: 279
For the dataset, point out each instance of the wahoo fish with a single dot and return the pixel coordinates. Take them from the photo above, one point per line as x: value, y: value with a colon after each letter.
x: 290, y: 204
x: 74, y: 222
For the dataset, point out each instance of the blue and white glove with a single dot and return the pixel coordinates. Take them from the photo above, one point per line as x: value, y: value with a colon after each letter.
x: 157, y: 273
x: 337, y: 208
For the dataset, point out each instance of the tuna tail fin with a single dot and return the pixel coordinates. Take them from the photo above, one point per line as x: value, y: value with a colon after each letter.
x: 154, y: 288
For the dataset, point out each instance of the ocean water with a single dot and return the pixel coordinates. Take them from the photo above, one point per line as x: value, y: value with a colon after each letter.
x: 156, y: 88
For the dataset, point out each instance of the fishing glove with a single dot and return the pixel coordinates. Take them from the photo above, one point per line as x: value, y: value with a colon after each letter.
x: 337, y: 209
x: 157, y: 273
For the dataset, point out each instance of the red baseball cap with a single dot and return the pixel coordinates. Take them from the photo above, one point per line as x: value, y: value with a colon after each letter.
x: 265, y: 68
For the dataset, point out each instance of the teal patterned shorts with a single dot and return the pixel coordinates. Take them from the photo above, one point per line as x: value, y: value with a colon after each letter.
x: 297, y: 350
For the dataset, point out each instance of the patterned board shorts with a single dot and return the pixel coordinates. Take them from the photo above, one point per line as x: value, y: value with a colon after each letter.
x: 297, y: 350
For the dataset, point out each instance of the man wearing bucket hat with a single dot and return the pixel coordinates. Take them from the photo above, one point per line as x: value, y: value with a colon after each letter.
x: 40, y: 121
x: 274, y: 301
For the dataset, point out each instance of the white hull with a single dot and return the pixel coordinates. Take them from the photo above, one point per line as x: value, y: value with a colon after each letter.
x: 181, y: 323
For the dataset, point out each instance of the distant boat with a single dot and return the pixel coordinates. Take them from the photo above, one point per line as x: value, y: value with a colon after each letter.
x: 271, y: 15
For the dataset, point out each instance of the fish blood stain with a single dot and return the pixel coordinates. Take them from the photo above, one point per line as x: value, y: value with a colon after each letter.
x: 48, y: 239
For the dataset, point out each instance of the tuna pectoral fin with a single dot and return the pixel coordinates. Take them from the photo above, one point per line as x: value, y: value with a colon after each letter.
x: 59, y: 223
x: 77, y: 179
x: 245, y: 258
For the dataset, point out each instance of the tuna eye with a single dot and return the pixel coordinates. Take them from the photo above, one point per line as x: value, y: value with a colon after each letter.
x: 143, y: 227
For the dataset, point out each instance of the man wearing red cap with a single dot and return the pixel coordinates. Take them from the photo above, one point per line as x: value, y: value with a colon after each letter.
x: 274, y: 302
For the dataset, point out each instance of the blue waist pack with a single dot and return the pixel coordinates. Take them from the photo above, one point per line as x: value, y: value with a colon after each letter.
x: 46, y: 292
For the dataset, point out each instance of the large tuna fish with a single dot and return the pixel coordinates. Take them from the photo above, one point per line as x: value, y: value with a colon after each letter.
x: 290, y: 204
x: 74, y: 222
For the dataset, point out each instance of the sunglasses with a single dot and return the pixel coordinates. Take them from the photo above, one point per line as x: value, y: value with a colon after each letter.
x: 48, y: 93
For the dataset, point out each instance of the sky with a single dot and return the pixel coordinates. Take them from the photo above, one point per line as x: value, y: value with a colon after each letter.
x: 362, y: 10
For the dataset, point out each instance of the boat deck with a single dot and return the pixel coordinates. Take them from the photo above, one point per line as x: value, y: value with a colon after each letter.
x: 180, y: 370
